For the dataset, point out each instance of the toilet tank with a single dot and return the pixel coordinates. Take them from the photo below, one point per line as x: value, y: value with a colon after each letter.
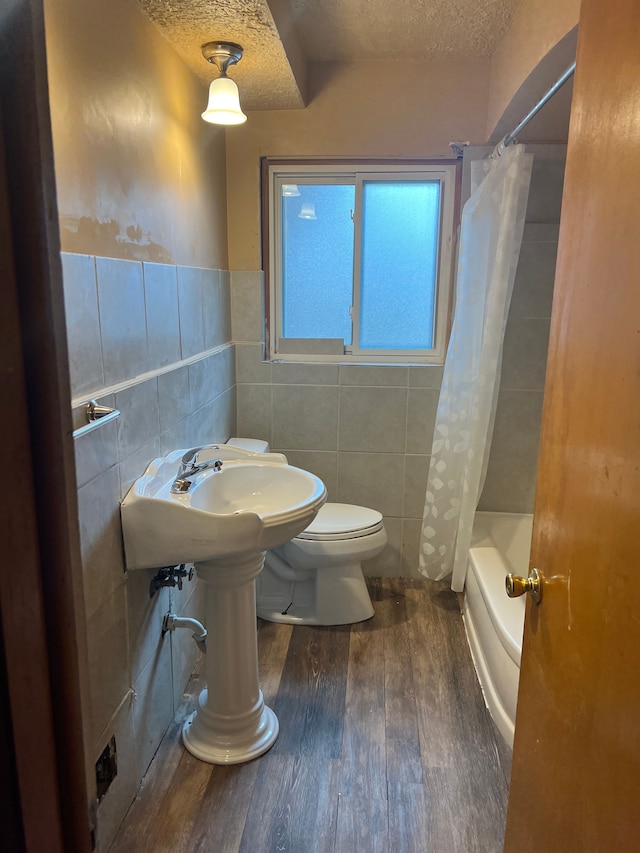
x: 254, y: 445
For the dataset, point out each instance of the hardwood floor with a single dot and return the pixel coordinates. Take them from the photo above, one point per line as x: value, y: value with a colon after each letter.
x: 385, y: 746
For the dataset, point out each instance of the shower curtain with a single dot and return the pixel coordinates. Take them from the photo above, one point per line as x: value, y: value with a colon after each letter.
x: 490, y: 239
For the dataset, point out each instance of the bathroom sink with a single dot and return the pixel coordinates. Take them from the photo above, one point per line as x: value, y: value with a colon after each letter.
x: 221, y: 507
x: 253, y: 503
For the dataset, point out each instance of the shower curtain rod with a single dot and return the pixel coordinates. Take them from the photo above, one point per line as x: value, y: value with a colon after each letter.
x: 511, y: 137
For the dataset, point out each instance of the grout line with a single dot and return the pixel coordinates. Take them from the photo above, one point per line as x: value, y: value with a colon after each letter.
x: 97, y: 290
x: 146, y: 319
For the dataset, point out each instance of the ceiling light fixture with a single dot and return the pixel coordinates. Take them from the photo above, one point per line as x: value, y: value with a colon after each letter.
x: 307, y: 211
x: 224, y: 100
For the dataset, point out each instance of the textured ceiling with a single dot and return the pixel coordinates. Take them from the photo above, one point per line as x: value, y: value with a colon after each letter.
x: 409, y: 29
x: 279, y: 36
x: 264, y: 74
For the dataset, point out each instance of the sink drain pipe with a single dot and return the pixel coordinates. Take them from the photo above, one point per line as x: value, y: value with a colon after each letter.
x: 171, y: 622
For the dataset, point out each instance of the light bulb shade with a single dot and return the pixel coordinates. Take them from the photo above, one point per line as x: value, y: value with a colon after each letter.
x: 307, y: 211
x: 290, y: 190
x: 224, y: 103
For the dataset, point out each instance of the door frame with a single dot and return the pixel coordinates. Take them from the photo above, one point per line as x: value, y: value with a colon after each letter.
x: 41, y: 599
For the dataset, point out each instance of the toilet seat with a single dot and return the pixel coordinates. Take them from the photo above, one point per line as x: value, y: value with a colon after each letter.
x: 335, y: 522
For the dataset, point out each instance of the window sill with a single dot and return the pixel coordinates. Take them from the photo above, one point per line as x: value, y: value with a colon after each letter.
x: 342, y: 360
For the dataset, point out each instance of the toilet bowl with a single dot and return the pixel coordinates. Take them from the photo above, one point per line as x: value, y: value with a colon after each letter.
x: 316, y: 578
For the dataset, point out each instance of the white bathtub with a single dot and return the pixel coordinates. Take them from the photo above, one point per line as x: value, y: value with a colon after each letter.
x: 494, y: 623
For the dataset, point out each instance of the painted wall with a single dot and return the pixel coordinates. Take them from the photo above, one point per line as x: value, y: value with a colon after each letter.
x: 139, y: 174
x: 537, y: 27
x: 360, y: 109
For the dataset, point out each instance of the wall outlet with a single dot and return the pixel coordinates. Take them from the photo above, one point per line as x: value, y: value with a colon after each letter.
x: 106, y: 768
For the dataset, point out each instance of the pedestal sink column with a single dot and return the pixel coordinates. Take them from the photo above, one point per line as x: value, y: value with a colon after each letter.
x: 231, y: 724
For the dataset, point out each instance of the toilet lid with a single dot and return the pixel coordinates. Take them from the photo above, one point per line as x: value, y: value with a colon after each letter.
x: 342, y: 521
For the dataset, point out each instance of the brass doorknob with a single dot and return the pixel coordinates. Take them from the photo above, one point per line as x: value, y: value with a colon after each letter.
x: 516, y: 585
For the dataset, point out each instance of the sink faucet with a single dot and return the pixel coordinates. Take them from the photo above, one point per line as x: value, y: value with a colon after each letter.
x: 190, y: 466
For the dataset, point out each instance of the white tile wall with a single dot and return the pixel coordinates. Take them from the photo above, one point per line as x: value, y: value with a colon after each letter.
x: 511, y: 472
x: 216, y: 310
x: 81, y: 308
x: 191, y: 283
x: 131, y: 326
x: 100, y: 538
x: 123, y: 788
x: 373, y: 419
x: 109, y: 661
x: 305, y: 417
x: 153, y: 705
x: 247, y: 314
x: 123, y: 324
x: 161, y: 309
x: 372, y: 479
x: 351, y: 425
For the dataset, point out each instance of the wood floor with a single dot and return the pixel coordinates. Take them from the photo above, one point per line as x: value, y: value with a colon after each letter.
x: 385, y: 746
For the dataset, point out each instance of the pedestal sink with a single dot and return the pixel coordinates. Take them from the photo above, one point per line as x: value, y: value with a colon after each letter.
x: 224, y: 524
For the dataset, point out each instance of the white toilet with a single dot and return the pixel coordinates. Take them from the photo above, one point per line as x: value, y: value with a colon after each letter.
x: 316, y: 578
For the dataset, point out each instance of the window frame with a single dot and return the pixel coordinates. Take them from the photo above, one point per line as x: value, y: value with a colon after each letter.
x: 323, y: 350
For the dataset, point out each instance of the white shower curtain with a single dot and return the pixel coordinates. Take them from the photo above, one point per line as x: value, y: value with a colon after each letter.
x: 490, y: 240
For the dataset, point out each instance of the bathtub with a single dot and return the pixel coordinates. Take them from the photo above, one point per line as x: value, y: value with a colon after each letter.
x: 494, y: 623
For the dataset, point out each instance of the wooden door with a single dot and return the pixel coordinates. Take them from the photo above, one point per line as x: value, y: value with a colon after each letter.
x: 576, y: 766
x: 46, y: 785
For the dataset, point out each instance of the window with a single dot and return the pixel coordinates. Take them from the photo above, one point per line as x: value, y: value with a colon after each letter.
x: 359, y: 261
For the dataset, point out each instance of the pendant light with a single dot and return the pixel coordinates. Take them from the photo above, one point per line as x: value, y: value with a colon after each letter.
x: 307, y: 211
x: 224, y: 100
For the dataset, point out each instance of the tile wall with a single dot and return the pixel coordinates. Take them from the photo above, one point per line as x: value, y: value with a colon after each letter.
x: 511, y: 473
x: 364, y: 430
x: 154, y: 341
x: 367, y: 430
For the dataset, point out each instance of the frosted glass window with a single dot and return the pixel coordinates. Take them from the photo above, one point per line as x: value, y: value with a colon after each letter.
x: 317, y: 261
x: 360, y: 260
x: 399, y: 264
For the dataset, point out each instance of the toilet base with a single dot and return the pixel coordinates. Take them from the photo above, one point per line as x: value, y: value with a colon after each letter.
x: 328, y: 596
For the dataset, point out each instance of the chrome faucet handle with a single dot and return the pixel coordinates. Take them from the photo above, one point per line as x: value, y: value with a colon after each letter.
x: 190, y: 466
x: 194, y: 460
x: 190, y: 458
